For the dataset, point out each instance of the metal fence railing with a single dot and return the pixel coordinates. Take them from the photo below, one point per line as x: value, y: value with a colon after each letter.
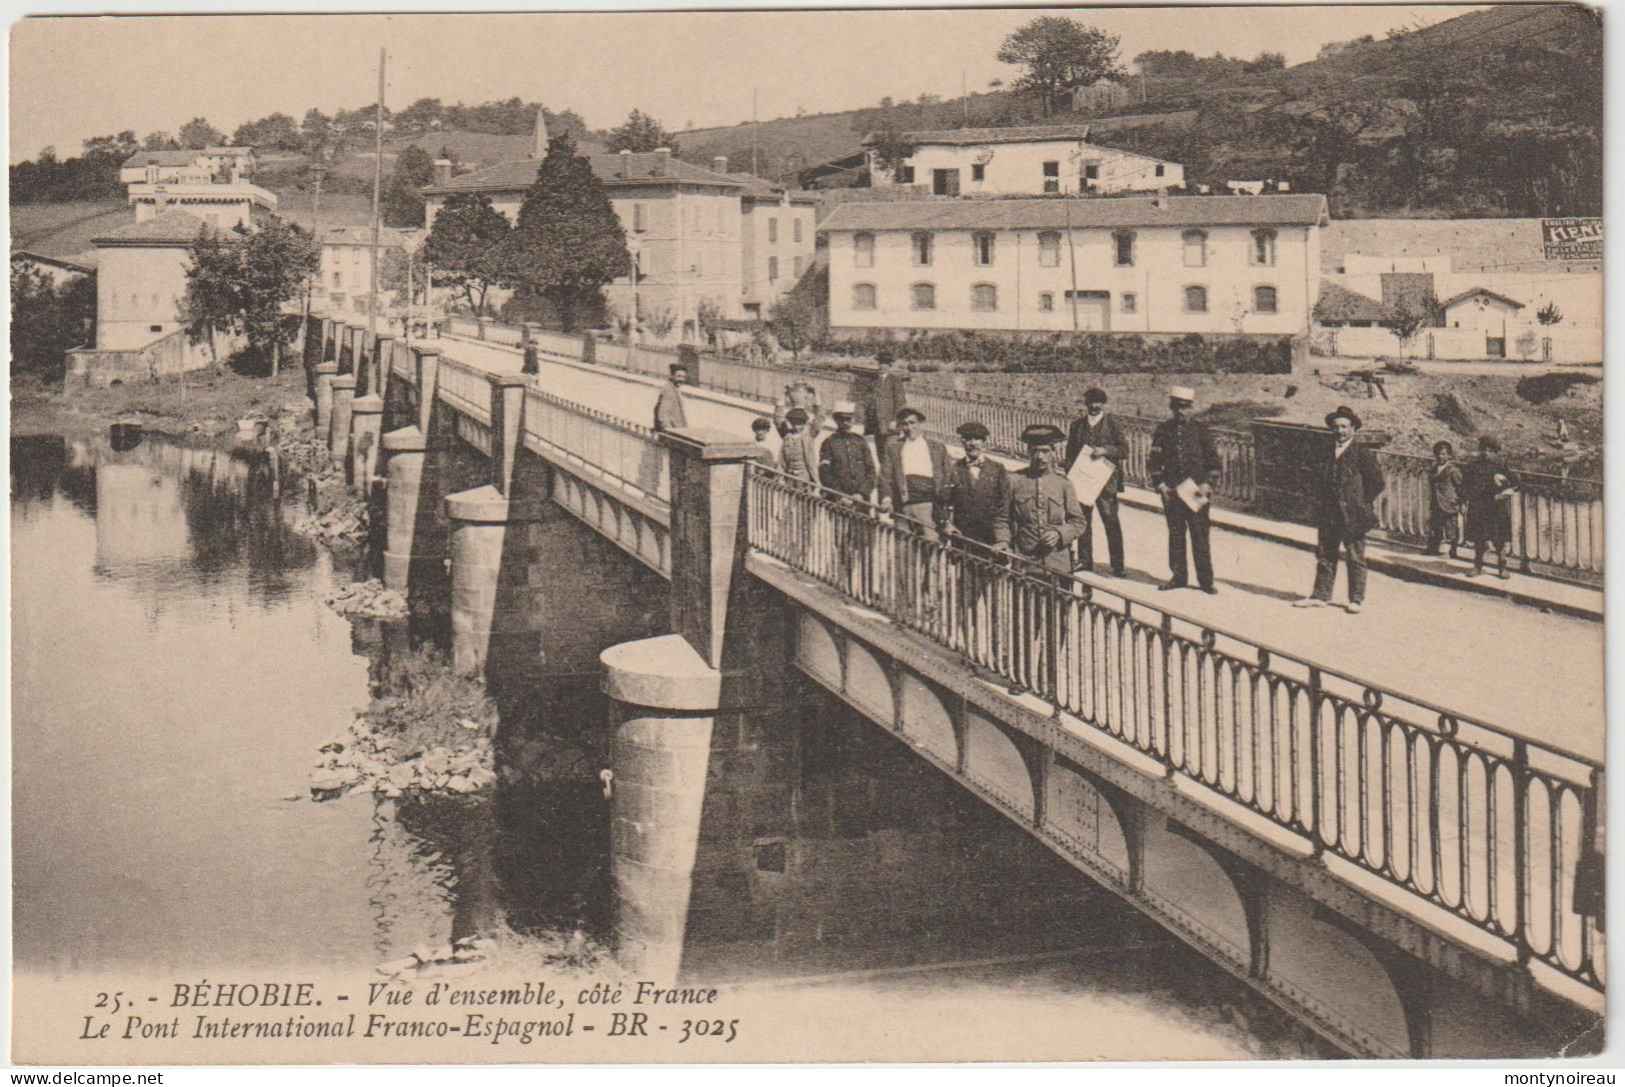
x: 1496, y: 829
x: 599, y: 444
x: 465, y: 387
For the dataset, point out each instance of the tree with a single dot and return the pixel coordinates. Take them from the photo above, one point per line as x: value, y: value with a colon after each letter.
x: 278, y: 130
x: 48, y: 321
x: 1058, y: 54
x: 796, y: 324
x: 392, y: 273
x: 464, y: 247
x: 568, y: 242
x: 402, y: 202
x: 640, y: 133
x: 890, y: 148
x: 112, y: 148
x: 420, y: 116
x: 239, y: 283
x: 199, y: 133
x: 1549, y: 314
x: 1408, y: 318
x: 710, y: 318
x: 159, y: 141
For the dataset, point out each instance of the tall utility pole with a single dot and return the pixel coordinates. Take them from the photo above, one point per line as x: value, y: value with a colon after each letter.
x: 964, y: 96
x: 754, y: 172
x: 377, y: 190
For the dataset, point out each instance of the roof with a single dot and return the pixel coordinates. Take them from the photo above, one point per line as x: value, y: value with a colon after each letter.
x: 173, y: 227
x: 970, y: 136
x: 183, y: 157
x: 388, y: 237
x: 79, y: 262
x: 1485, y: 291
x: 640, y: 168
x: 244, y: 150
x: 758, y: 188
x: 1338, y: 303
x: 1058, y: 214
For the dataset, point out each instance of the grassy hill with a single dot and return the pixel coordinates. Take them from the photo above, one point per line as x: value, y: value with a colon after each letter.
x: 61, y: 230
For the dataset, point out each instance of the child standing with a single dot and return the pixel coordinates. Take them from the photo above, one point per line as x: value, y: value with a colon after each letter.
x: 1444, y: 510
x: 1488, y: 485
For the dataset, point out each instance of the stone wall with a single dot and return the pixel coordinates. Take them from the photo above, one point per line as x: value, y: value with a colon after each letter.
x: 176, y: 353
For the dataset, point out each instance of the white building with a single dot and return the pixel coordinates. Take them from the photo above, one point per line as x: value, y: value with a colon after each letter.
x: 1038, y: 160
x: 777, y: 238
x: 215, y: 184
x: 141, y: 279
x: 59, y: 270
x: 344, y: 281
x: 1207, y: 264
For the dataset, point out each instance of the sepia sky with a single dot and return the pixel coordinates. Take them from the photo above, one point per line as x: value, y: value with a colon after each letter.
x: 71, y: 78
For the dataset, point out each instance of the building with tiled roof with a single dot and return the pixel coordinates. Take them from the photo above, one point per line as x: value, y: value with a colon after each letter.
x: 1205, y: 264
x: 344, y: 281
x: 1034, y: 160
x: 141, y: 279
x: 698, y: 234
x: 58, y: 270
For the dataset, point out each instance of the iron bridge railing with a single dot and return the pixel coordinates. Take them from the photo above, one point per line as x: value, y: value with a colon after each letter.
x: 1496, y: 829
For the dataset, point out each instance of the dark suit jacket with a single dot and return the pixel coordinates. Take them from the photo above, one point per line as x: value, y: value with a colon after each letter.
x: 846, y: 465
x: 979, y: 507
x: 1181, y: 451
x: 1106, y: 436
x: 887, y: 400
x: 893, y: 485
x: 1345, y: 488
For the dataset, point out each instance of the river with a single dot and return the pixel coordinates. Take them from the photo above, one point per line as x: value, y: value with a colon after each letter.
x: 175, y: 671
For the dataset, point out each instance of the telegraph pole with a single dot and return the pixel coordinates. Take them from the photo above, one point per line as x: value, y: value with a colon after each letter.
x: 754, y: 172
x: 377, y: 188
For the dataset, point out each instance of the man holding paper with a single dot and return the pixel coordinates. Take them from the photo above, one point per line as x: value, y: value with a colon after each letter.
x: 1094, y: 449
x: 1182, y: 462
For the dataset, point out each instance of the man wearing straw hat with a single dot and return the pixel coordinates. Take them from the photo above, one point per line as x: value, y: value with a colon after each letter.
x: 1346, y: 484
x: 844, y: 463
x: 1181, y: 465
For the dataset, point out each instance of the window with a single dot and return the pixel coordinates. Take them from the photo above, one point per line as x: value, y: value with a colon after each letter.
x: 155, y: 328
x: 1264, y: 299
x: 1195, y: 248
x: 338, y: 279
x: 982, y: 248
x: 795, y: 230
x: 640, y: 217
x: 1052, y: 177
x: 863, y: 296
x: 922, y: 296
x: 1264, y: 247
x: 978, y: 171
x: 1195, y: 299
x: 1131, y: 304
x: 1091, y: 173
x: 984, y: 298
x: 772, y: 269
x: 1123, y: 248
x: 922, y: 249
x: 1046, y: 302
x: 772, y: 230
x: 797, y: 267
x: 1161, y: 169
x: 905, y: 175
x: 863, y: 250
x: 1049, y: 249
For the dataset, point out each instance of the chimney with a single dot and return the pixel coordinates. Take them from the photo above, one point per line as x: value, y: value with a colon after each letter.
x: 720, y: 164
x: 442, y: 171
x: 1161, y: 199
x: 662, y: 162
x: 160, y: 197
x: 626, y: 162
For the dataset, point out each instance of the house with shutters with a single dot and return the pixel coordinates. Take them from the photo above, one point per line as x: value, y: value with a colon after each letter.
x: 1034, y: 160
x: 1178, y: 264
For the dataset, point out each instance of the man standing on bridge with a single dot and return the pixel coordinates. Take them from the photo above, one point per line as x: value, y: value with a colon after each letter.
x: 844, y: 463
x: 1182, y: 462
x: 1345, y: 486
x: 1045, y: 518
x: 885, y: 402
x: 1096, y: 435
x: 669, y: 414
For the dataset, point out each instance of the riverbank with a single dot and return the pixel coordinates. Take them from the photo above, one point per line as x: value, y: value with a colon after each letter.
x: 205, y: 404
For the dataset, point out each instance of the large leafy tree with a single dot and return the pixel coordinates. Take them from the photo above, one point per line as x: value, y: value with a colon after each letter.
x: 1058, y: 54
x: 641, y: 132
x: 568, y: 243
x: 199, y: 133
x: 241, y: 282
x: 47, y: 321
x: 465, y: 246
x: 402, y: 201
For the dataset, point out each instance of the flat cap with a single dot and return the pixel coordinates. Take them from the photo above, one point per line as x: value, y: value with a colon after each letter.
x: 1096, y: 395
x: 1042, y: 434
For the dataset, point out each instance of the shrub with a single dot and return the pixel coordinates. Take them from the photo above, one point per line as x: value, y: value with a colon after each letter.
x: 1544, y: 388
x: 1449, y: 411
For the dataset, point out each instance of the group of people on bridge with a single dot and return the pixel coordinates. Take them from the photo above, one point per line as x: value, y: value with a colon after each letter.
x: 1044, y: 511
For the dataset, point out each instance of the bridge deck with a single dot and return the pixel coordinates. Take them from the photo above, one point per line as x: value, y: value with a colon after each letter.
x: 1532, y: 673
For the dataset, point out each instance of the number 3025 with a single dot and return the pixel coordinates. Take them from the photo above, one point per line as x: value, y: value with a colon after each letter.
x: 723, y: 1030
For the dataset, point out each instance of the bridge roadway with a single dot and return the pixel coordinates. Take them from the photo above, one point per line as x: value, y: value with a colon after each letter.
x: 1532, y: 673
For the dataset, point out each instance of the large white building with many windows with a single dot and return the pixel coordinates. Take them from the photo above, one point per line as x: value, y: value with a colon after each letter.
x: 1035, y: 160
x: 1208, y: 264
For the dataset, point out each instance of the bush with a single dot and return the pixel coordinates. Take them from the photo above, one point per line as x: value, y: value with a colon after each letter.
x: 1078, y: 353
x: 1544, y: 388
x: 1449, y: 411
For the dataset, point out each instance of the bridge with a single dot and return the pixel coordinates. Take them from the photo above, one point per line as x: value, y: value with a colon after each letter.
x: 1387, y: 827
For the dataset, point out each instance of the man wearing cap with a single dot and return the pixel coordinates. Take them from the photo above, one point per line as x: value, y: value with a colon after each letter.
x: 1045, y: 516
x: 798, y: 456
x: 1096, y: 435
x: 977, y: 505
x: 762, y: 430
x: 885, y: 401
x: 844, y: 463
x: 669, y: 414
x: 914, y: 476
x: 1183, y: 458
x: 1346, y: 484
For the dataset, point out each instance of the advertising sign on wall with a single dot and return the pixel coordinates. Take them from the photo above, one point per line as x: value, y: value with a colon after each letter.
x: 1572, y: 239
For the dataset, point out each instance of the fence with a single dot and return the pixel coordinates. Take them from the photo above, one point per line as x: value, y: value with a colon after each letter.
x: 1493, y: 828
x: 1557, y: 522
x: 599, y: 444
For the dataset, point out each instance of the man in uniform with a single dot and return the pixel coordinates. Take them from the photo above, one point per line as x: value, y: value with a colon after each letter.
x: 977, y: 508
x: 1096, y: 435
x: 1183, y: 459
x: 1045, y: 518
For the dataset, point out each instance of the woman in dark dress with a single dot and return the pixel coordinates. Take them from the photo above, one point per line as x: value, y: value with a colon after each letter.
x: 1488, y: 485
